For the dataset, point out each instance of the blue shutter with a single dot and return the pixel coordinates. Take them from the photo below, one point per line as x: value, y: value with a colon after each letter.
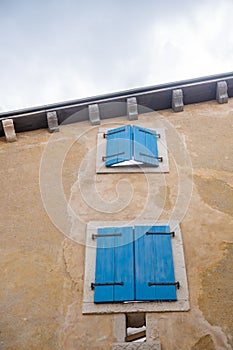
x: 119, y: 145
x: 124, y: 265
x: 104, y: 267
x: 145, y: 146
x: 114, y: 280
x: 154, y: 264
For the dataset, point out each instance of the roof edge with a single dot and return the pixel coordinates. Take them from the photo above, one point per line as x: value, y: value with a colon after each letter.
x: 122, y: 93
x: 112, y: 105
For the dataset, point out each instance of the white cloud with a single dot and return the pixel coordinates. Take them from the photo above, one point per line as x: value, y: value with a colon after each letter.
x: 193, y: 45
x: 53, y: 50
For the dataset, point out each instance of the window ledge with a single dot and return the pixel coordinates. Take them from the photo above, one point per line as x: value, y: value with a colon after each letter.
x: 137, y: 346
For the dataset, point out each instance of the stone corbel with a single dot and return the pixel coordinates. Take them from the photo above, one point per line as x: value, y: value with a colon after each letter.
x: 9, y: 130
x: 94, y: 114
x: 132, y: 108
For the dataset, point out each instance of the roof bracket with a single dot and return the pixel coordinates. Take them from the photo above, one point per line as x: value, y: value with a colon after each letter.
x: 52, y: 121
x: 9, y: 130
x: 177, y: 100
x: 221, y: 92
x: 132, y: 108
x: 94, y: 114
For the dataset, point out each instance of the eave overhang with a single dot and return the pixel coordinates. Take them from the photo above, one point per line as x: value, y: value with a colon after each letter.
x: 156, y: 97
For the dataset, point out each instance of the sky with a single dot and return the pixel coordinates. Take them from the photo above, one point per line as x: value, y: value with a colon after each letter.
x: 58, y: 50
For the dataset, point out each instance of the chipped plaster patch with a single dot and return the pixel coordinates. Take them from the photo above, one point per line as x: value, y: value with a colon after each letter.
x: 217, y: 290
x: 216, y: 193
x: 204, y: 343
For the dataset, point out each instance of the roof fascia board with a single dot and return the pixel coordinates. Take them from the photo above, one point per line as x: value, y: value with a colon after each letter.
x: 156, y: 97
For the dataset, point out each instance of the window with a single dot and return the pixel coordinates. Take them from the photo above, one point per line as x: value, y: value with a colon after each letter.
x: 134, y: 268
x: 131, y: 148
x: 131, y: 143
x: 134, y: 264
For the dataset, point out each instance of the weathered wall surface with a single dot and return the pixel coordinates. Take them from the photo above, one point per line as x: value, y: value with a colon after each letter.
x: 42, y: 269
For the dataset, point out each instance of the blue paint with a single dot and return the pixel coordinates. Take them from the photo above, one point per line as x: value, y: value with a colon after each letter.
x: 154, y: 263
x: 119, y: 145
x: 115, y: 264
x: 104, y: 267
x: 135, y: 258
x: 145, y: 146
x: 131, y: 142
x: 124, y: 265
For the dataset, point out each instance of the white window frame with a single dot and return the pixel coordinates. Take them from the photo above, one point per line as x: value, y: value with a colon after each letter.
x: 101, y: 152
x: 182, y: 302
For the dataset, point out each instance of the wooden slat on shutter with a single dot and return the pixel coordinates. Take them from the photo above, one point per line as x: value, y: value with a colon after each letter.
x: 154, y: 269
x: 119, y: 145
x: 114, y: 280
x: 145, y: 147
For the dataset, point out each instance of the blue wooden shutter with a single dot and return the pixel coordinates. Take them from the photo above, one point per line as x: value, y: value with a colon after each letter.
x: 145, y: 146
x: 114, y: 279
x: 154, y: 264
x: 119, y: 145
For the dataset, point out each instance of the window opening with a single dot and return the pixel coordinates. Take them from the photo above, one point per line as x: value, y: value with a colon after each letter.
x: 135, y: 327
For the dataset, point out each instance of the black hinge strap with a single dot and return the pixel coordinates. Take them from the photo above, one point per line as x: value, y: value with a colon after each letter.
x: 112, y: 155
x: 151, y: 133
x: 177, y: 284
x: 108, y: 235
x: 161, y: 233
x: 93, y: 285
x: 160, y: 159
x: 112, y: 133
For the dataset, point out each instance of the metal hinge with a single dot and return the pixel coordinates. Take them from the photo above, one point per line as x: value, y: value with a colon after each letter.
x: 161, y: 233
x: 151, y: 133
x: 93, y: 285
x: 105, y: 135
x: 160, y: 159
x: 177, y: 284
x: 112, y: 155
x: 108, y: 235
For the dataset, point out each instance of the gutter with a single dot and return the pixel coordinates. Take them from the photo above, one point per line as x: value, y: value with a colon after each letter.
x: 157, y: 97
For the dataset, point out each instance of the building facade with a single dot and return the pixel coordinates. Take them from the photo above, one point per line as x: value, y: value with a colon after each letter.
x: 54, y: 193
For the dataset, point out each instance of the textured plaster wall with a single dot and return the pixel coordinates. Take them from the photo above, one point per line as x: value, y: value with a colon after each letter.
x: 42, y: 269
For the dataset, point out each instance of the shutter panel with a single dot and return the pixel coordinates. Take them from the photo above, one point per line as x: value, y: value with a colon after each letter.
x: 114, y: 265
x: 104, y: 267
x: 119, y: 145
x: 124, y: 265
x: 145, y: 146
x: 154, y: 264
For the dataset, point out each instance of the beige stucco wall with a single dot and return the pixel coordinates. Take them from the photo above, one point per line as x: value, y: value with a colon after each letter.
x: 42, y: 268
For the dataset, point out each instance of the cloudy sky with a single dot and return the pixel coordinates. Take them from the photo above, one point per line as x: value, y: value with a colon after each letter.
x: 57, y: 50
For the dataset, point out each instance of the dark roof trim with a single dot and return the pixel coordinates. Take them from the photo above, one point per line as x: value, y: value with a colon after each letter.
x: 156, y: 97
